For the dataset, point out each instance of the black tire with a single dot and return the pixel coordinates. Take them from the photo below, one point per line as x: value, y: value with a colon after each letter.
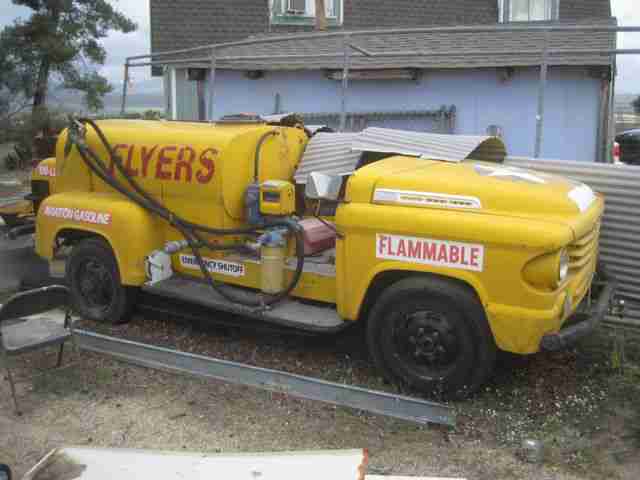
x: 94, y: 280
x: 431, y: 334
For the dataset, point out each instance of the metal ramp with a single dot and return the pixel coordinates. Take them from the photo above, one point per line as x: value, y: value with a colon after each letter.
x: 288, y: 313
x: 382, y: 403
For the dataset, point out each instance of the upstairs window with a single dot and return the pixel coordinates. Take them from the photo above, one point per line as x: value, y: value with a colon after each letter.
x: 303, y: 12
x: 297, y: 7
x: 529, y: 10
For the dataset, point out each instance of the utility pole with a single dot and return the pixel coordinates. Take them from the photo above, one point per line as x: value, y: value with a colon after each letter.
x: 321, y: 16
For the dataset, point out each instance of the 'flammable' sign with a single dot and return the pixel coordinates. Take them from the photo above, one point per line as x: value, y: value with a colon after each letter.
x: 439, y: 253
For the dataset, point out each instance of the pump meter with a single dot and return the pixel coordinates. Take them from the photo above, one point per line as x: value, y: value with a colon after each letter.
x: 277, y: 197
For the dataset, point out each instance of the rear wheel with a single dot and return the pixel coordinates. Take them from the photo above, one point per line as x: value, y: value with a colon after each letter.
x: 94, y: 280
x: 431, y: 334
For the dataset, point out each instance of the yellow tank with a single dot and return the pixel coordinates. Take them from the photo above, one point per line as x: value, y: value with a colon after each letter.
x: 191, y: 165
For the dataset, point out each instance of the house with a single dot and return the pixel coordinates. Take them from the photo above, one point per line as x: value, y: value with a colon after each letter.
x: 465, y: 80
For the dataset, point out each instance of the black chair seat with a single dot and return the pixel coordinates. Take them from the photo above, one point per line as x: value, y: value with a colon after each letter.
x: 28, y: 322
x: 34, y: 333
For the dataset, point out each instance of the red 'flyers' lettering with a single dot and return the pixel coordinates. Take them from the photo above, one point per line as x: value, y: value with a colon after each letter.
x: 178, y: 163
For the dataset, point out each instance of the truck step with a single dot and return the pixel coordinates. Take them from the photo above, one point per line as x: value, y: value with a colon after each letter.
x: 290, y: 313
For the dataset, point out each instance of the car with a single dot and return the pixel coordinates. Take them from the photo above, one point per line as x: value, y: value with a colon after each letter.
x: 629, y: 142
x: 5, y: 472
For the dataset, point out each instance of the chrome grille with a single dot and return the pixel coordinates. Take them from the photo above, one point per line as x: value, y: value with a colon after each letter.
x: 583, y: 250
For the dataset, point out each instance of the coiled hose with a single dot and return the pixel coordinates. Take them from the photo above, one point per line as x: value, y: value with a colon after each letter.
x: 191, y: 232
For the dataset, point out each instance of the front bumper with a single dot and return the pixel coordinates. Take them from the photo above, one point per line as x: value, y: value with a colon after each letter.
x: 588, y: 321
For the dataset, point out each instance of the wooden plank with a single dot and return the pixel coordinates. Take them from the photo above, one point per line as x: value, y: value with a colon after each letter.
x: 108, y: 464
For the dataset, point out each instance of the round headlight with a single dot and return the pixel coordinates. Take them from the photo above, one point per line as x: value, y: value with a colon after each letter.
x: 548, y: 271
x: 563, y: 271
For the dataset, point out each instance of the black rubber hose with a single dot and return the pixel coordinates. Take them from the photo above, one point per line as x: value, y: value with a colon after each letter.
x: 188, y: 229
x: 104, y: 176
x: 256, y: 161
x: 184, y: 226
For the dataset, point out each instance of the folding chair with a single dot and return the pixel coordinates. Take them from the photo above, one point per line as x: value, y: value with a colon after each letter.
x: 25, y: 327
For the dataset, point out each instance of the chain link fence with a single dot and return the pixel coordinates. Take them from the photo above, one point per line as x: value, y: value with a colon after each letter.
x: 441, y: 120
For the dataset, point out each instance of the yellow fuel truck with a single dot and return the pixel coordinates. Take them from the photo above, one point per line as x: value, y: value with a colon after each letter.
x: 446, y: 258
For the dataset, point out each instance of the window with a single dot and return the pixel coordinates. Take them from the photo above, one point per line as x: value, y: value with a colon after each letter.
x: 303, y: 12
x: 529, y: 10
x: 297, y: 7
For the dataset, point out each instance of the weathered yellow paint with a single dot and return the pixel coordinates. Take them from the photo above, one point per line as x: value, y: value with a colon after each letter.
x: 312, y: 286
x: 518, y: 222
x: 201, y: 171
x: 132, y: 232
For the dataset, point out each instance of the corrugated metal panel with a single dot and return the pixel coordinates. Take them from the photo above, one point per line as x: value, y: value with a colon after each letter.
x: 329, y: 153
x: 450, y: 148
x: 619, y: 245
x: 339, y: 153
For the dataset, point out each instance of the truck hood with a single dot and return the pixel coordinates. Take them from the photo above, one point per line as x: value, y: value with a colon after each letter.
x: 486, y: 188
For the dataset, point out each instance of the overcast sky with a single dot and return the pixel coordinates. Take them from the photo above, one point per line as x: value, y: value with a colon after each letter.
x: 120, y: 46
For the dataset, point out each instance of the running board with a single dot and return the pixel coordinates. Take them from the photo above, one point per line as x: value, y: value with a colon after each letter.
x: 289, y: 312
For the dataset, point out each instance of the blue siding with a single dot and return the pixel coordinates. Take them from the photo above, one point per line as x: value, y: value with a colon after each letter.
x: 481, y: 97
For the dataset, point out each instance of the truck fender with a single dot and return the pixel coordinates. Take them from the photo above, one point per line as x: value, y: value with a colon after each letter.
x: 132, y: 232
x: 386, y: 273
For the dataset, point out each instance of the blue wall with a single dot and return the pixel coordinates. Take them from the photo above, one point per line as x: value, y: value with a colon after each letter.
x: 481, y: 97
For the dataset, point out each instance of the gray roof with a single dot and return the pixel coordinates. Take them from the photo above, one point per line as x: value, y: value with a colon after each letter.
x: 340, y: 153
x: 438, y: 49
x: 177, y: 24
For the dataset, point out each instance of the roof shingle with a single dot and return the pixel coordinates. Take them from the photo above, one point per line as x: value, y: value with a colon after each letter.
x: 179, y: 24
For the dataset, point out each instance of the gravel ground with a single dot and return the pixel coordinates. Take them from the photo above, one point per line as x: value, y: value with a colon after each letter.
x: 573, y: 401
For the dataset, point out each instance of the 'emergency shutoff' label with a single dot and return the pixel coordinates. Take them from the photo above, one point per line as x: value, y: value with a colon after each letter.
x: 439, y: 253
x: 78, y: 215
x: 231, y: 269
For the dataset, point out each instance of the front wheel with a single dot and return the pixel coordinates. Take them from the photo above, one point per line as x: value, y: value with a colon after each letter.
x: 431, y: 334
x: 94, y: 281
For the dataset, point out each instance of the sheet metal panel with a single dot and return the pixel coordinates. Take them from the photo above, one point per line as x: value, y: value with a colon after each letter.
x: 397, y: 406
x: 619, y: 244
x: 450, y: 148
x: 340, y: 153
x: 329, y: 153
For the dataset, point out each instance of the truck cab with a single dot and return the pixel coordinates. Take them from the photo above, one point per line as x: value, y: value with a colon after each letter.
x: 442, y: 250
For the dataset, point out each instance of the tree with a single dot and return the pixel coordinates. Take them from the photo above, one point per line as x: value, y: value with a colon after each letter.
x: 60, y: 40
x: 636, y: 105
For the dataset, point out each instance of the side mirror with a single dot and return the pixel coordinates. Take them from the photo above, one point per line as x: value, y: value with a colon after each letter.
x: 323, y: 187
